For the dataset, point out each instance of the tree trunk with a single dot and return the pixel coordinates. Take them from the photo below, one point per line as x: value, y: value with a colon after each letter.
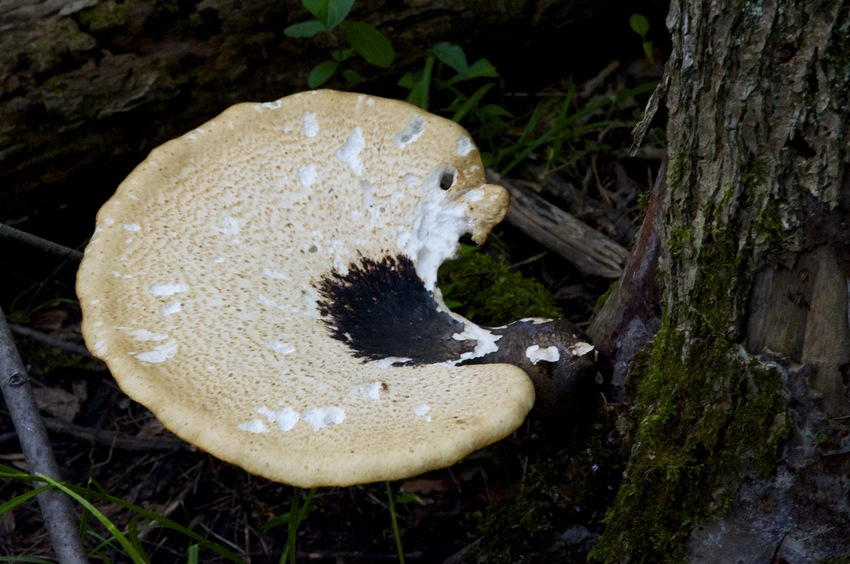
x: 741, y: 420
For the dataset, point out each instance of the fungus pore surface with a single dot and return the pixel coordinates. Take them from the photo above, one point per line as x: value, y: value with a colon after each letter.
x: 265, y: 285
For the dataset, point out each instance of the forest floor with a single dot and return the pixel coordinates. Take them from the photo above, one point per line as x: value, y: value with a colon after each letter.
x: 539, y: 495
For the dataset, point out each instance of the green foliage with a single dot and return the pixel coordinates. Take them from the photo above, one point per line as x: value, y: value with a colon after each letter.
x: 461, y: 89
x: 125, y: 540
x: 489, y: 292
x: 363, y: 39
x: 394, y: 522
x: 640, y: 25
x: 559, y: 130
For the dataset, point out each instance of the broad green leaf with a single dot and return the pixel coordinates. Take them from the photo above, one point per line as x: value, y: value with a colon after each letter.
x: 452, y: 56
x: 483, y: 68
x: 639, y: 24
x: 408, y: 81
x: 370, y: 43
x: 304, y: 29
x: 352, y: 78
x: 321, y: 73
x: 330, y: 13
x: 337, y: 11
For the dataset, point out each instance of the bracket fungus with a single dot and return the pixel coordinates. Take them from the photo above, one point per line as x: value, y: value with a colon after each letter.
x: 266, y: 286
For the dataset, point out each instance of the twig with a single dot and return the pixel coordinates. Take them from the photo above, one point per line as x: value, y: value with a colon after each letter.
x: 56, y: 509
x: 588, y: 249
x: 116, y: 439
x: 38, y: 242
x: 50, y: 340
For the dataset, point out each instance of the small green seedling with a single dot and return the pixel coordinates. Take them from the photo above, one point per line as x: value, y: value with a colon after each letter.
x: 448, y: 75
x: 640, y: 25
x: 362, y: 38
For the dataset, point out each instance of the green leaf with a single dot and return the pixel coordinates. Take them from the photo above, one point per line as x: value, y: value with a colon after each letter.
x: 419, y: 84
x: 483, y: 68
x: 304, y: 29
x: 471, y: 102
x: 452, y: 56
x: 370, y: 43
x: 639, y: 24
x: 330, y: 13
x: 342, y: 55
x: 128, y: 547
x: 352, y: 78
x: 321, y: 73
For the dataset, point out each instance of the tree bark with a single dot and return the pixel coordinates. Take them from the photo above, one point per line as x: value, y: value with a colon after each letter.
x: 741, y: 412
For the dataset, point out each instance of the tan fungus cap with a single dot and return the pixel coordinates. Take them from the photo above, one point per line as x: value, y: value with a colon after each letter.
x: 265, y: 286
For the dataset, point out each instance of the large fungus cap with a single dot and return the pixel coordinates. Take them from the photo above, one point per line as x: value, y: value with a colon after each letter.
x: 265, y: 286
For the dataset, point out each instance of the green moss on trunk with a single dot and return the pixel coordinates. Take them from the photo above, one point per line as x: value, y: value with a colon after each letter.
x: 702, y: 424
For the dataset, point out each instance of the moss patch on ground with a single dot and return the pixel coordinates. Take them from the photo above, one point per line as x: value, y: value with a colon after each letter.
x: 489, y: 292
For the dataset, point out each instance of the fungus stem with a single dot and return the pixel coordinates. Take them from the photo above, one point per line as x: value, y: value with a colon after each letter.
x: 396, y: 534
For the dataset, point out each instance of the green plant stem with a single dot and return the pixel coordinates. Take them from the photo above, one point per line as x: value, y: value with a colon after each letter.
x: 297, y: 513
x: 396, y: 534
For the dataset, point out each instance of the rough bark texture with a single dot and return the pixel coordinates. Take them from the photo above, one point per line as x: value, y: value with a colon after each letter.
x: 741, y: 449
x: 87, y: 88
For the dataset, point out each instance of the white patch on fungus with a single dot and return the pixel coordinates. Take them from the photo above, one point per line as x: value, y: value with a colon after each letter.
x: 228, y: 226
x: 253, y: 426
x: 132, y: 227
x: 319, y: 417
x: 99, y: 348
x: 311, y: 298
x: 309, y: 124
x: 422, y: 410
x: 280, y: 347
x: 275, y: 274
x: 349, y: 153
x: 165, y: 289
x: 272, y: 105
x: 485, y: 339
x: 307, y: 175
x: 411, y: 132
x: 372, y: 391
x: 340, y: 252
x: 285, y: 417
x: 389, y: 361
x: 473, y: 196
x: 581, y: 349
x: 535, y: 354
x: 171, y: 308
x: 145, y: 335
x: 464, y: 146
x: 535, y: 320
x: 159, y: 353
x: 437, y: 226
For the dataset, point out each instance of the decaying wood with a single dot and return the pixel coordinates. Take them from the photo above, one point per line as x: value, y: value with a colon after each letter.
x: 631, y: 315
x: 592, y: 252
